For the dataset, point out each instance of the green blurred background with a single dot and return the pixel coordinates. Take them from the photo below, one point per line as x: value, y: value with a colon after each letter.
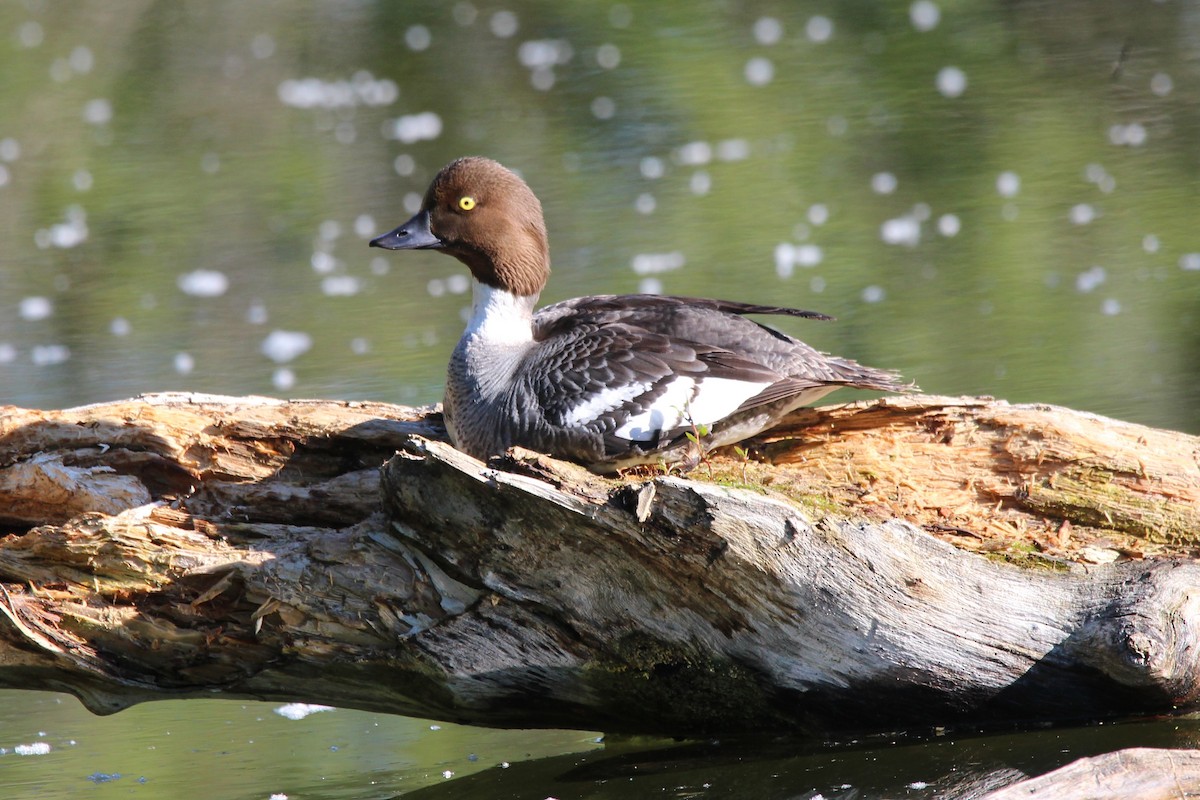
x: 992, y: 197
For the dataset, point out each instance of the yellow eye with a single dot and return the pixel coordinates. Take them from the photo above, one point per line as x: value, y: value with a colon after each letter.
x: 466, y: 203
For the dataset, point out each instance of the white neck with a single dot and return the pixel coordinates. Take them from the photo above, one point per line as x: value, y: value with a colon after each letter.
x: 500, y: 317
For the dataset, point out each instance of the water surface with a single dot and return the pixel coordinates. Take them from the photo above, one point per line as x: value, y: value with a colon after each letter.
x: 994, y: 198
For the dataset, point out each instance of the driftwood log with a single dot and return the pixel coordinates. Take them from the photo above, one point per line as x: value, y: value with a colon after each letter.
x: 190, y: 545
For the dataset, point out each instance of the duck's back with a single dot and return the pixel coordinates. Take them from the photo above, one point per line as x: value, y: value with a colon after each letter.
x: 621, y: 379
x: 717, y: 323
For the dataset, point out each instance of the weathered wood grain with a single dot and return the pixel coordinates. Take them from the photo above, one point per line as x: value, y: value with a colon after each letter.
x: 186, y: 545
x: 1141, y: 773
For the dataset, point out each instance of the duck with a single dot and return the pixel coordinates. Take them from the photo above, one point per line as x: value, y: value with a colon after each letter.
x: 607, y: 381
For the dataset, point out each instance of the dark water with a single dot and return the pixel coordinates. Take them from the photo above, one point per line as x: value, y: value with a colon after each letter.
x: 994, y: 198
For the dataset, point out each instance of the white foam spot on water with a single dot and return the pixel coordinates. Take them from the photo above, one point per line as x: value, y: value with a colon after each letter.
x: 98, y: 111
x: 262, y: 46
x: 256, y: 314
x: 35, y: 749
x: 603, y: 108
x: 10, y: 149
x: 300, y: 710
x: 949, y: 225
x: 694, y: 154
x: 120, y: 327
x: 411, y: 128
x: 436, y: 287
x: 645, y: 203
x: 340, y: 286
x: 44, y: 355
x: 81, y: 59
x: 818, y: 214
x: 3, y: 175
x: 651, y: 167
x: 1095, y: 173
x: 924, y: 15
x: 542, y: 78
x: 608, y: 56
x: 1111, y: 307
x: 1150, y: 243
x: 503, y: 24
x: 67, y: 234
x: 700, y: 183
x: 650, y: 286
x: 8, y: 353
x: 1082, y: 214
x: 1190, y: 262
x: 364, y: 226
x: 404, y: 164
x: 883, y: 183
x: 360, y: 346
x: 203, y: 283
x: 545, y: 53
x: 458, y: 284
x: 1131, y: 135
x: 1008, y: 184
x: 315, y: 93
x: 465, y: 13
x: 1090, y: 279
x: 785, y: 259
x: 809, y: 255
x: 768, y: 30
x: 733, y: 149
x: 873, y: 294
x: 655, y: 263
x: 35, y: 308
x: 282, y: 346
x: 759, y: 71
x: 82, y: 180
x: 184, y: 363
x: 951, y: 81
x: 418, y: 38
x: 30, y: 34
x: 819, y: 29
x: 283, y: 379
x: 323, y: 263
x: 329, y: 230
x: 1161, y: 84
x: 362, y: 89
x: 904, y: 230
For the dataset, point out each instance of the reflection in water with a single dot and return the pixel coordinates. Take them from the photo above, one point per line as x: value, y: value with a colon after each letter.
x: 993, y: 199
x: 902, y: 766
x: 228, y: 749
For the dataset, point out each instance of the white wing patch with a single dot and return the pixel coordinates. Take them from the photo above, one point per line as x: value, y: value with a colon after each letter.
x: 690, y: 402
x: 604, y: 401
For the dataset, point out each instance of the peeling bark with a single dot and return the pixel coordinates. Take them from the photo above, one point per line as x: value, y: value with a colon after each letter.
x: 179, y: 545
